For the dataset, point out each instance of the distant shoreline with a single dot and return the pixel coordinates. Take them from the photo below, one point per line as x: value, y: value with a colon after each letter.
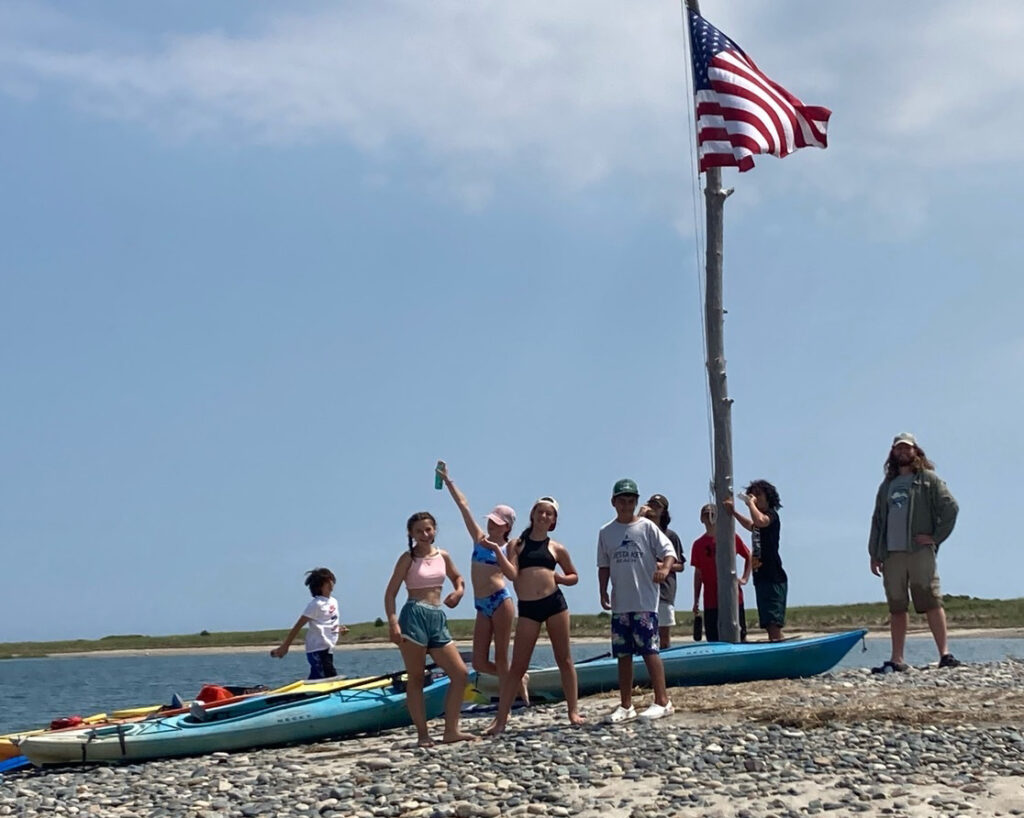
x: 954, y: 633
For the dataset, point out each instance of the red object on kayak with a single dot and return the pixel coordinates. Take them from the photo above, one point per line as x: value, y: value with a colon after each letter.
x: 213, y: 693
x: 66, y: 721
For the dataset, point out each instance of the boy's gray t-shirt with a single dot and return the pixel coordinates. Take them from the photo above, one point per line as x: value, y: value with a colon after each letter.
x: 631, y: 552
x: 897, y: 530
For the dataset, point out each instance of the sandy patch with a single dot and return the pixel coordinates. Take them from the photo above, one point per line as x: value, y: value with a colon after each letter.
x: 956, y: 633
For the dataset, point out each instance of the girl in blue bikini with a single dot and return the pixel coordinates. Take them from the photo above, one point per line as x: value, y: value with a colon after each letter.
x: 492, y: 599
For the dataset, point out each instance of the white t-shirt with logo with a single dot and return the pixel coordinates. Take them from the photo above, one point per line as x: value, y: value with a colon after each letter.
x: 324, y: 626
x: 631, y: 552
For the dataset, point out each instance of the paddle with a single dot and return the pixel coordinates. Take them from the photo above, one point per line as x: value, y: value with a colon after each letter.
x: 200, y: 713
x: 593, y: 658
x: 15, y: 763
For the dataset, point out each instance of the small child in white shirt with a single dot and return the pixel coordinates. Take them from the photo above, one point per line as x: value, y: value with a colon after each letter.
x: 321, y: 615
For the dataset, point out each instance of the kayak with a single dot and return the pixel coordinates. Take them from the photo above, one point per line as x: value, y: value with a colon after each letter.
x: 260, y: 721
x: 700, y: 663
x: 9, y: 743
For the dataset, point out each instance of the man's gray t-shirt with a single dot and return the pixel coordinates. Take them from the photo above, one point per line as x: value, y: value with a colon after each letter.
x: 897, y: 531
x: 631, y: 552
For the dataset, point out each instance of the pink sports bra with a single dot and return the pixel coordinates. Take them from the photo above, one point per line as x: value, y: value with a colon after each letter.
x: 425, y: 572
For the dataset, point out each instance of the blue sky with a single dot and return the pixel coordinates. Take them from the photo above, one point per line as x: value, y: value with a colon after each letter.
x: 262, y: 266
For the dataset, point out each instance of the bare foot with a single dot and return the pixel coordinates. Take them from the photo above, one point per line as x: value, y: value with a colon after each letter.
x: 425, y: 741
x: 495, y: 728
x: 577, y: 719
x: 451, y: 739
x: 524, y: 690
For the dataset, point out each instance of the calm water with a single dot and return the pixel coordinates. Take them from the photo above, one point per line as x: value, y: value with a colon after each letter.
x: 35, y: 691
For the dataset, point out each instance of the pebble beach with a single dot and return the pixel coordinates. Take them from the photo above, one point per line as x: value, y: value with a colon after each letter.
x: 927, y: 742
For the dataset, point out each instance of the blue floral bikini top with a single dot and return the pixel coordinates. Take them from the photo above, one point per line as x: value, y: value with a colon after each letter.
x: 481, y: 553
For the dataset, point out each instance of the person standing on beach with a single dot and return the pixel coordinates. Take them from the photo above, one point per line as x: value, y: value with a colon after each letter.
x: 531, y: 564
x: 492, y: 599
x: 321, y: 617
x: 422, y: 627
x: 914, y: 514
x: 636, y: 557
x: 705, y: 575
x: 656, y: 510
x: 771, y: 585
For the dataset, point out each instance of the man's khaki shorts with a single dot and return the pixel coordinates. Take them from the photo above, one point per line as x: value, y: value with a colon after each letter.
x: 914, y: 570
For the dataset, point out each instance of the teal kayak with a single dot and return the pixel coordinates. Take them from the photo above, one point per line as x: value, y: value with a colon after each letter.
x: 700, y: 663
x: 259, y: 721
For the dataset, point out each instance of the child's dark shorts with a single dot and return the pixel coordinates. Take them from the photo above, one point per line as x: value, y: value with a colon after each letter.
x: 540, y: 610
x: 634, y: 634
x: 321, y: 664
x: 771, y: 603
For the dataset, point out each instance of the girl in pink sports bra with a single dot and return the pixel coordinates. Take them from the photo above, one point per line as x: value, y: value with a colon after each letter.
x: 422, y: 626
x: 492, y: 599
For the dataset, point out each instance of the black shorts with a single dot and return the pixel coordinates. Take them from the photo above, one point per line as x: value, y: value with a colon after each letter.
x: 711, y: 624
x: 540, y: 610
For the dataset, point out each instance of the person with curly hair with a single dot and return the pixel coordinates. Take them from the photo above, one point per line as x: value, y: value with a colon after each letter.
x: 770, y: 580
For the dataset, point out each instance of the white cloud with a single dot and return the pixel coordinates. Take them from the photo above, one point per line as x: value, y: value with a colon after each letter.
x: 527, y: 83
x: 578, y: 92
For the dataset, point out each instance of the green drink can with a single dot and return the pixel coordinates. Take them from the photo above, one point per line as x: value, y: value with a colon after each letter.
x: 438, y: 481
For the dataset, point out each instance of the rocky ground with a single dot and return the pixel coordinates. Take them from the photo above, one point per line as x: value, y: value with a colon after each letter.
x: 923, y: 743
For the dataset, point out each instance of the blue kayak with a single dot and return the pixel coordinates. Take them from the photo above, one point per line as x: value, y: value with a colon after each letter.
x: 260, y: 721
x: 700, y: 663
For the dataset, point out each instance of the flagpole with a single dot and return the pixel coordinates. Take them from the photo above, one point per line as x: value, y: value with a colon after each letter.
x: 721, y: 403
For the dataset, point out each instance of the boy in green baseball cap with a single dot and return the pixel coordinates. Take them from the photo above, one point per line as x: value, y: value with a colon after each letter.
x: 636, y: 557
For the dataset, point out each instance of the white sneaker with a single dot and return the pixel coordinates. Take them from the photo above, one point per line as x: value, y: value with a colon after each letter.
x: 656, y: 711
x: 621, y: 714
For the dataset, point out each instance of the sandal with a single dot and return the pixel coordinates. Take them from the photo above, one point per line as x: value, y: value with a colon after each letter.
x: 891, y: 667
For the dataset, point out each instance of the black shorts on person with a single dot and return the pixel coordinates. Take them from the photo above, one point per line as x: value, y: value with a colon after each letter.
x: 539, y: 610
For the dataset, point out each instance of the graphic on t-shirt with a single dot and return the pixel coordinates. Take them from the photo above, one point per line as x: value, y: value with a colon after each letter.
x: 899, y: 498
x: 628, y: 551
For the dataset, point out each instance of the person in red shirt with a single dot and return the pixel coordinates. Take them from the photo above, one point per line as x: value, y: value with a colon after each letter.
x: 705, y: 574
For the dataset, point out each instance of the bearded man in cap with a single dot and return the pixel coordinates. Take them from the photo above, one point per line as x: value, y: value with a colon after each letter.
x: 914, y: 513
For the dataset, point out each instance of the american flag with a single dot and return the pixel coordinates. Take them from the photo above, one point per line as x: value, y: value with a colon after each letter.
x: 740, y: 112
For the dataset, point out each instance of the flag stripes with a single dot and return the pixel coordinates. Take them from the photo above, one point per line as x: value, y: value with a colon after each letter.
x: 740, y: 111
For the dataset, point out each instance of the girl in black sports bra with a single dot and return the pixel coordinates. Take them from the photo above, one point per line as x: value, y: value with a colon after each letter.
x: 531, y: 564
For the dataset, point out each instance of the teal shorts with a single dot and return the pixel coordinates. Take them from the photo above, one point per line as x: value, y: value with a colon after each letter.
x: 771, y: 603
x: 424, y: 624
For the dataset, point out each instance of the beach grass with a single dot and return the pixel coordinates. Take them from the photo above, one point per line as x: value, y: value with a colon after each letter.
x: 962, y: 612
